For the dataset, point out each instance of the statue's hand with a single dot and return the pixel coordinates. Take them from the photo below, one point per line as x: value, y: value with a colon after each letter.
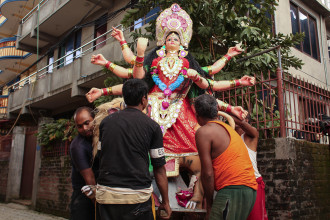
x: 248, y: 81
x: 233, y: 51
x: 141, y: 46
x: 239, y: 112
x: 192, y: 74
x: 117, y: 34
x: 98, y: 60
x: 93, y: 94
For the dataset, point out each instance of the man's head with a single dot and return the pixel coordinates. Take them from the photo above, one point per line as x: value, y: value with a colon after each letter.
x: 206, y: 107
x: 135, y: 92
x: 83, y: 117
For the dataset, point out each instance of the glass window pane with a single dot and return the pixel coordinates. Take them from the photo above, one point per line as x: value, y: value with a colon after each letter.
x: 294, y: 22
x: 99, y: 31
x: 61, y: 53
x: 78, y: 44
x: 138, y: 23
x: 50, y: 63
x: 312, y: 28
x: 152, y: 12
x: 69, y: 51
x: 304, y: 29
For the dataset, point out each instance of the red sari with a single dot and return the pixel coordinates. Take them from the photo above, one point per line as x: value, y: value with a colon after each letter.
x: 179, y: 132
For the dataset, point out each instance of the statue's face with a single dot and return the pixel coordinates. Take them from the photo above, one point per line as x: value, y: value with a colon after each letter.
x: 172, y: 42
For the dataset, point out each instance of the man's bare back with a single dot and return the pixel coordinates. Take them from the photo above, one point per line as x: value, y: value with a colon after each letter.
x: 215, y: 137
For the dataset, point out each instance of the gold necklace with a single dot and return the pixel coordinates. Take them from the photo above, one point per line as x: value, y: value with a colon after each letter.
x: 171, y: 66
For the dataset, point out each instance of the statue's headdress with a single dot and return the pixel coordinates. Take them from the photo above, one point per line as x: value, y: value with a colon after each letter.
x: 174, y: 19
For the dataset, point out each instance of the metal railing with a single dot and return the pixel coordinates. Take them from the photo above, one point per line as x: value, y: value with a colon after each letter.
x: 3, y: 104
x: 36, y: 8
x: 281, y: 105
x: 84, y: 50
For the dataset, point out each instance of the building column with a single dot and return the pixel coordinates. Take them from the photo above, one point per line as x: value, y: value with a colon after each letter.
x: 15, y: 163
x: 37, y: 162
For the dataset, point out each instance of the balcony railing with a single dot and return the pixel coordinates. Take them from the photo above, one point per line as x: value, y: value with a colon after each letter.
x: 3, y: 105
x: 84, y: 49
x: 35, y: 9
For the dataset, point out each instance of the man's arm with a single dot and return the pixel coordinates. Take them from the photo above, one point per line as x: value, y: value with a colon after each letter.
x: 207, y: 176
x: 249, y: 130
x: 161, y: 180
x: 251, y: 133
x: 157, y: 157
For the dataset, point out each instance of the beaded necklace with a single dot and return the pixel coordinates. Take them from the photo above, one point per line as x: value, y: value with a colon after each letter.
x: 162, y: 86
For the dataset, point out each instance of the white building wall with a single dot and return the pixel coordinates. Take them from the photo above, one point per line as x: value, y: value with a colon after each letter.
x: 313, y: 70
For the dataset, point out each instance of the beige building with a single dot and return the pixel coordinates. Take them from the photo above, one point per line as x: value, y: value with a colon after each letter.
x: 312, y: 18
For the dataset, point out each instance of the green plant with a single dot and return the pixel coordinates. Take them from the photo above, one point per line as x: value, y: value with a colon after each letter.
x: 59, y: 130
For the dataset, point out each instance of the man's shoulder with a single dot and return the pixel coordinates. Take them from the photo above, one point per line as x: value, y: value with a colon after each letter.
x: 211, y: 129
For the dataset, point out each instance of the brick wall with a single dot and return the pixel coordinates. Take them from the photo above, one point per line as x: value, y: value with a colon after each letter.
x: 297, y: 178
x: 54, y: 191
x: 4, y: 168
x: 296, y: 174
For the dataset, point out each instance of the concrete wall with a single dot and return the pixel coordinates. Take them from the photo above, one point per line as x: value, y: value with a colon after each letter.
x: 313, y: 70
x: 15, y: 163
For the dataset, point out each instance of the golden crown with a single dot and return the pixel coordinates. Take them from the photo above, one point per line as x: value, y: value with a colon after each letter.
x: 174, y: 19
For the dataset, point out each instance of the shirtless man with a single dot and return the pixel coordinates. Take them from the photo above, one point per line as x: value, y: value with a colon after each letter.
x: 226, y: 166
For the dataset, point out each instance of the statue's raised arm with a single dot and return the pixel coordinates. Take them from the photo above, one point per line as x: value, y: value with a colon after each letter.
x: 128, y: 55
x: 219, y: 64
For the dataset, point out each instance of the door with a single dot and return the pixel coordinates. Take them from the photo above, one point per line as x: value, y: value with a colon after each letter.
x: 28, y: 163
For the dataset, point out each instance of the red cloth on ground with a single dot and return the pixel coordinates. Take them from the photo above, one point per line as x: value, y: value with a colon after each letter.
x: 259, y: 209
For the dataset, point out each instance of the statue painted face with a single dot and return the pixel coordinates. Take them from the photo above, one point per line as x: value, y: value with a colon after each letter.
x: 172, y: 42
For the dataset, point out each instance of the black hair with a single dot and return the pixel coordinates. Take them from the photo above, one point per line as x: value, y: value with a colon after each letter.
x: 134, y: 90
x: 206, y: 106
x: 84, y: 108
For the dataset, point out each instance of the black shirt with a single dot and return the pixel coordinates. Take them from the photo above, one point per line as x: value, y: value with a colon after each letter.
x: 126, y: 138
x: 81, y: 152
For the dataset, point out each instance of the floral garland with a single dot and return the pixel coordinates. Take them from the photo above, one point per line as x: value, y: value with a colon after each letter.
x: 162, y: 86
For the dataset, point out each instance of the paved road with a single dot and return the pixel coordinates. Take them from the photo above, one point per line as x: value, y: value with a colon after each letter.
x: 13, y: 211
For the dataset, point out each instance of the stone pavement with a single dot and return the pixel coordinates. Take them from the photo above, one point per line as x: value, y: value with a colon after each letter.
x: 12, y: 211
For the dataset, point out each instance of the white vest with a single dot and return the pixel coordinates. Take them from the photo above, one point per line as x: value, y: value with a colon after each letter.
x: 253, y: 158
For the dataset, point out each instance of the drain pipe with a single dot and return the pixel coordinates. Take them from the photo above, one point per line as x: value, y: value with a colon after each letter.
x: 323, y: 55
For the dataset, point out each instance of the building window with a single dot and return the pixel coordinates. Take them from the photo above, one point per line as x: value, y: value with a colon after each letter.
x: 100, y: 28
x: 145, y: 20
x: 67, y: 48
x: 50, y: 62
x: 302, y: 22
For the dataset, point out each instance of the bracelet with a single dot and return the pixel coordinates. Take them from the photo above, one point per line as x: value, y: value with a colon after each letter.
x: 107, y: 65
x: 133, y: 60
x: 232, y: 83
x: 130, y: 73
x: 107, y: 91
x: 238, y: 82
x: 139, y: 59
x: 209, y: 69
x: 196, y: 78
x: 211, y: 83
x: 124, y: 46
x: 112, y: 67
x: 123, y: 42
x: 224, y: 106
x: 227, y: 57
x: 228, y: 109
x: 224, y: 59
